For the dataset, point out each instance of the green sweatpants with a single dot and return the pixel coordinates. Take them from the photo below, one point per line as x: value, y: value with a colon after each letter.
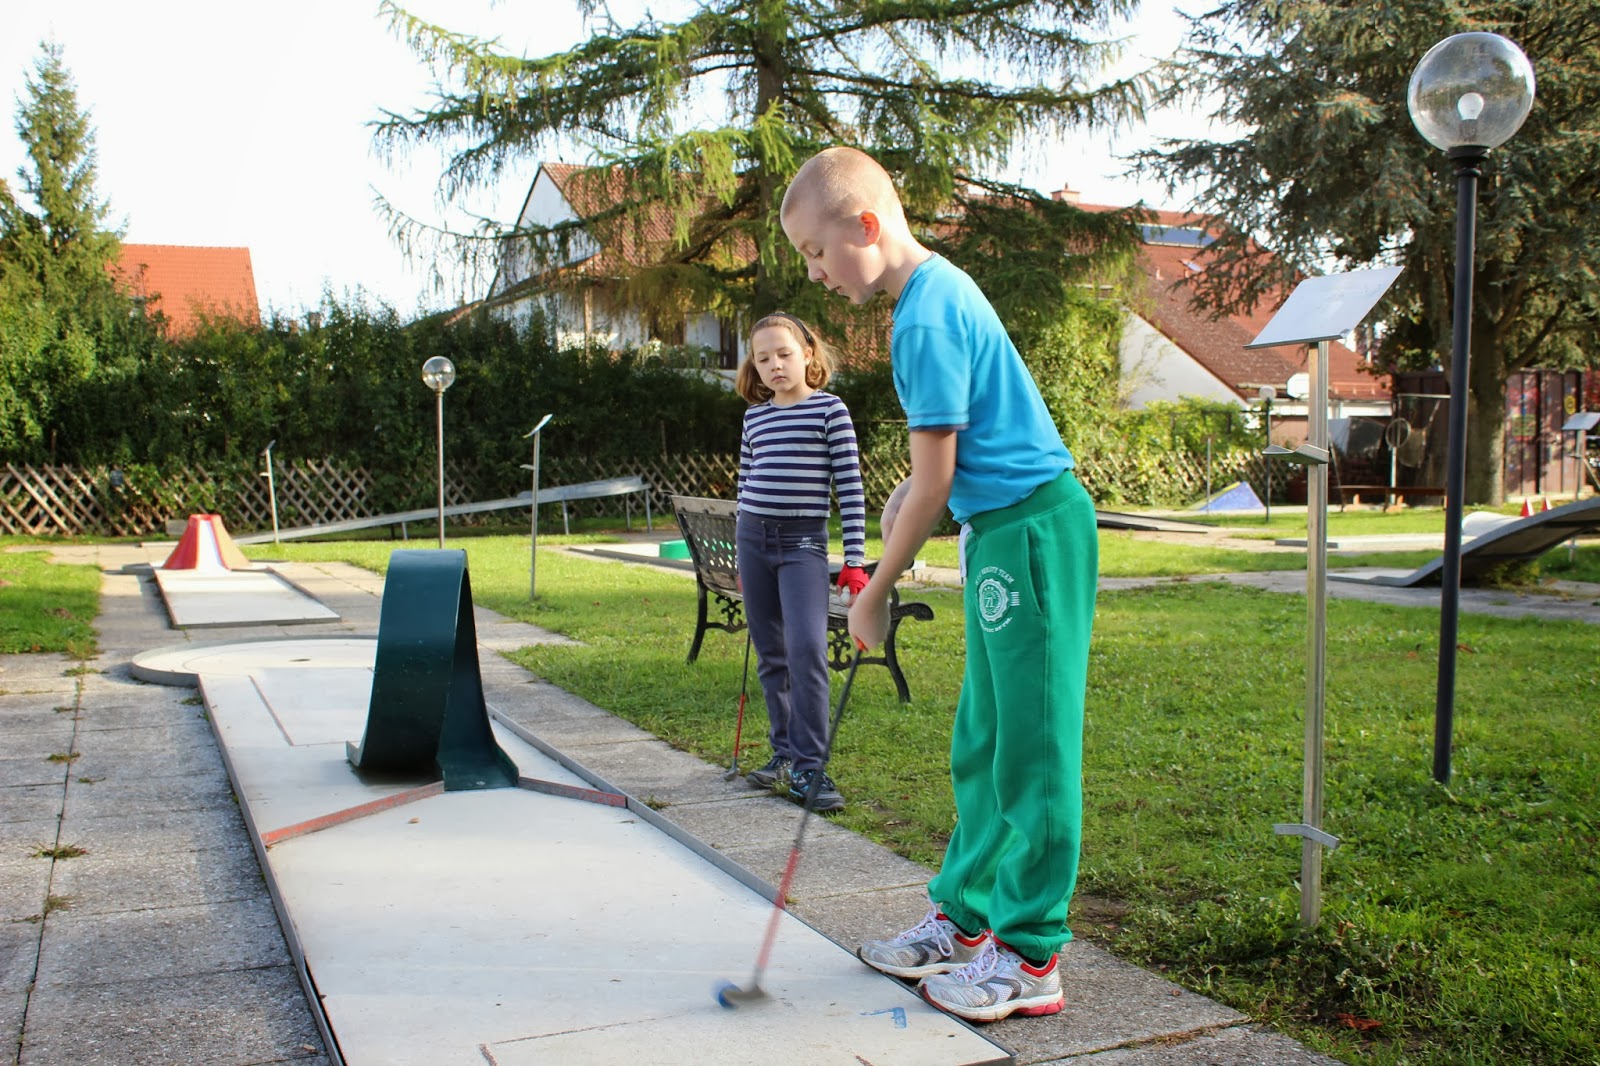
x: 1016, y: 752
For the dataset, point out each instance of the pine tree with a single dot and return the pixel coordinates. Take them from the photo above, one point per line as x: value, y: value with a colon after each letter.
x: 65, y: 245
x: 1329, y: 173
x: 57, y: 296
x: 890, y: 76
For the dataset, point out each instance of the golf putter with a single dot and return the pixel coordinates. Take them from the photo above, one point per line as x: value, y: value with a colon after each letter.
x: 738, y: 729
x: 728, y: 994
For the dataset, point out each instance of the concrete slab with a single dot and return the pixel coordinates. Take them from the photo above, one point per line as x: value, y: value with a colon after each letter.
x: 1245, y: 1045
x: 120, y: 794
x: 111, y: 881
x: 233, y: 1018
x: 19, y: 946
x: 182, y: 664
x: 162, y: 832
x: 22, y: 676
x: 206, y: 598
x: 836, y: 862
x: 513, y: 924
x: 160, y: 942
x: 28, y: 771
x: 22, y: 805
x: 24, y: 882
x: 13, y: 1009
x: 29, y: 707
x: 516, y: 933
x: 37, y: 743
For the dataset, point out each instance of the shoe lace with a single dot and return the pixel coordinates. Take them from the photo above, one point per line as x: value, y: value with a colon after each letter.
x: 983, y: 965
x: 930, y: 928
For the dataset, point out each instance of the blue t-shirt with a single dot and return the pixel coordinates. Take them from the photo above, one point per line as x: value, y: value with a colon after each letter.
x: 956, y: 368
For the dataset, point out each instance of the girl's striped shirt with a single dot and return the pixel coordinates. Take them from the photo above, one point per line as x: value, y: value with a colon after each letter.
x: 789, y: 455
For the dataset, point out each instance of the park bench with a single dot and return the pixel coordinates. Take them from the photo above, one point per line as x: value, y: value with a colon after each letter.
x: 710, y: 532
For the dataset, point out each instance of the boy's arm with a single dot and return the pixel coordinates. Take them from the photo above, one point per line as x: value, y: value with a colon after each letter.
x: 933, y: 468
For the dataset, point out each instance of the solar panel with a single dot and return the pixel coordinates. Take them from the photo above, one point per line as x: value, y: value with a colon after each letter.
x: 1176, y: 235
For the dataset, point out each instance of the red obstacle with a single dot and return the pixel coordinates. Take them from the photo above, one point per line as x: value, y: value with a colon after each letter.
x: 205, y: 545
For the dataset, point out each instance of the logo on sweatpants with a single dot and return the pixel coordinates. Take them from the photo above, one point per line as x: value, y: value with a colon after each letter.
x: 996, y: 597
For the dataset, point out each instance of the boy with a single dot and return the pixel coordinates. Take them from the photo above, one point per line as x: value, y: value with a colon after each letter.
x: 983, y: 443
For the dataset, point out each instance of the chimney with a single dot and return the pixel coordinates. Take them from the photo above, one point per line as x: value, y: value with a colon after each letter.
x: 1066, y: 194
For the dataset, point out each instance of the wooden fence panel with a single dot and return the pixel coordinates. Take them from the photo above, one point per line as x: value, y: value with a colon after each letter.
x: 70, y: 501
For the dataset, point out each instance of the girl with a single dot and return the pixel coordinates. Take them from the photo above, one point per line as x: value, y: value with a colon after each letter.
x: 796, y: 440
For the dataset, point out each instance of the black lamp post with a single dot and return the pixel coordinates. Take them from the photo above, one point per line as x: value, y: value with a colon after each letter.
x: 439, y: 374
x: 1469, y: 94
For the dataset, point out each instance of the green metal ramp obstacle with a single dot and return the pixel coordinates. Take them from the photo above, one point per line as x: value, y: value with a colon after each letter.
x: 427, y: 713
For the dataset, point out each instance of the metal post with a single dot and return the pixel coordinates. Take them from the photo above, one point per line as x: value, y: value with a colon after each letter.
x: 1468, y: 160
x: 533, y: 529
x: 1267, y: 503
x: 272, y: 493
x: 533, y: 535
x: 1316, y: 640
x: 439, y: 421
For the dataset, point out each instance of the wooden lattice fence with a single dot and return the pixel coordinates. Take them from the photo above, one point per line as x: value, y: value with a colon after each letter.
x: 70, y: 501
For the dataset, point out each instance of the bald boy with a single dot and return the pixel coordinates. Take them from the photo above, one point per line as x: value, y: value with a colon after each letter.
x: 984, y: 446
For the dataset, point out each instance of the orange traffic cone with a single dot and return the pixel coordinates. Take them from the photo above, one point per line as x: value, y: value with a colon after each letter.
x: 1544, y: 504
x: 1527, y: 507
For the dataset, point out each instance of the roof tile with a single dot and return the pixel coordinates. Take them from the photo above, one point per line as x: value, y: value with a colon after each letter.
x: 185, y: 282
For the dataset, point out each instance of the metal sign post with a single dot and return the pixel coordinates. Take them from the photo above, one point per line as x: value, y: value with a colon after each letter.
x: 1395, y: 435
x: 533, y: 536
x: 272, y: 492
x: 1319, y: 310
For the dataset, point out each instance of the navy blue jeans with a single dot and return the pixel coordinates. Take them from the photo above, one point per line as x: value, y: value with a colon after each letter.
x: 783, y: 566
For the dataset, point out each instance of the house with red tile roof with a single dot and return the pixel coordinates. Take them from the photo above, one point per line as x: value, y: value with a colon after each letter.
x: 600, y: 246
x: 185, y: 283
x: 1170, y: 349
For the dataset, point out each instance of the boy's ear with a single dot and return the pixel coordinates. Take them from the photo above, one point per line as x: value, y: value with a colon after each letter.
x: 871, y: 228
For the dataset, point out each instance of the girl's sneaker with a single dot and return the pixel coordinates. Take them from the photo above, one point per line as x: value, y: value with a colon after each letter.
x: 775, y: 774
x: 828, y: 800
x: 996, y: 984
x: 932, y: 946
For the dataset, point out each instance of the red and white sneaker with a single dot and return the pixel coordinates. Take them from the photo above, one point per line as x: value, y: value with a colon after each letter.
x: 996, y: 984
x: 932, y: 946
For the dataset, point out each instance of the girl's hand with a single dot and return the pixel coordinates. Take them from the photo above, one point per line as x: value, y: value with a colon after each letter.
x: 852, y: 579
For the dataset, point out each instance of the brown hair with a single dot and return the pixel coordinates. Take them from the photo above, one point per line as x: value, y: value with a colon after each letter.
x: 818, y: 371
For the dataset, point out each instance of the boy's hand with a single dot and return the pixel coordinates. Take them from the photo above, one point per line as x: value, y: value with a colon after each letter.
x: 869, y: 620
x: 852, y: 579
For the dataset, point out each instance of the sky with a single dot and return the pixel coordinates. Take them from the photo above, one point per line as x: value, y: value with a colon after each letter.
x: 231, y: 124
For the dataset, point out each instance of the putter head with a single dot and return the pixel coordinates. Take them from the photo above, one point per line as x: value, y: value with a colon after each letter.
x: 732, y: 772
x: 730, y: 995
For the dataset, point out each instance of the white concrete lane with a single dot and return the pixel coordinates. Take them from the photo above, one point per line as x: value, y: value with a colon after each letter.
x: 508, y: 926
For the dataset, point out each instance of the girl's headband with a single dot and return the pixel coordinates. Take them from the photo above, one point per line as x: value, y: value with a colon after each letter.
x: 804, y: 332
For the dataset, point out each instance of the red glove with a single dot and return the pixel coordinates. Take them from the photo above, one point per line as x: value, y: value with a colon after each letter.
x: 853, y: 578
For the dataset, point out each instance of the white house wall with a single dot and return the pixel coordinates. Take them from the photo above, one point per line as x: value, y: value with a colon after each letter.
x: 545, y: 206
x: 1154, y: 368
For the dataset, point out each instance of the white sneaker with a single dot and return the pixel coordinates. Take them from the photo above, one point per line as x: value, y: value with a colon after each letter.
x: 995, y: 985
x: 932, y: 946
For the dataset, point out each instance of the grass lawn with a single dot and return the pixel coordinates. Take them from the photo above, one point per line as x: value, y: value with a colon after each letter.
x: 1461, y: 923
x: 45, y: 607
